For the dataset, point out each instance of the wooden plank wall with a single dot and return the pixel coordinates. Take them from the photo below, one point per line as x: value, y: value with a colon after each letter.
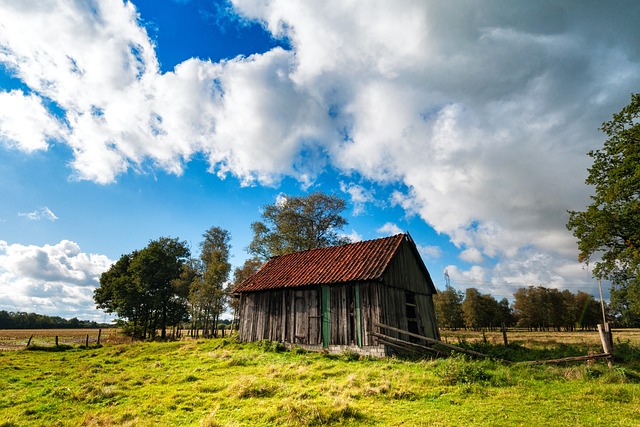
x: 404, y: 274
x: 429, y: 326
x: 281, y: 315
x: 294, y: 315
x: 370, y: 303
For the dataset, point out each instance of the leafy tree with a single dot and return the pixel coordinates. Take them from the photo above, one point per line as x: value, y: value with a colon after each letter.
x: 296, y: 223
x: 141, y: 287
x: 478, y: 310
x: 531, y: 307
x: 503, y: 313
x: 610, y: 226
x: 540, y: 308
x: 620, y: 310
x: 119, y: 293
x: 588, y: 311
x: 155, y: 269
x: 448, y: 306
x: 207, y: 295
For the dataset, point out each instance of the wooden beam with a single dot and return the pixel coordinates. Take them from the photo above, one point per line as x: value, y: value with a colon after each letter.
x: 568, y: 359
x: 438, y: 342
x: 403, y: 343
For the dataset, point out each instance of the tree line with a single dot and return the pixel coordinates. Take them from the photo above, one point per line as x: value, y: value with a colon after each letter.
x: 535, y: 307
x: 22, y: 320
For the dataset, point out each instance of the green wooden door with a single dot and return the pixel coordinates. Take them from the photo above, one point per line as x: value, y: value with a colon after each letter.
x: 326, y: 316
x: 358, y: 315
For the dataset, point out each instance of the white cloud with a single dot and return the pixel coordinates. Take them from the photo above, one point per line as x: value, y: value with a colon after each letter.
x: 51, y: 279
x: 472, y: 255
x: 353, y: 236
x: 25, y: 123
x: 527, y: 268
x: 39, y: 214
x: 430, y: 252
x: 360, y: 196
x: 389, y: 229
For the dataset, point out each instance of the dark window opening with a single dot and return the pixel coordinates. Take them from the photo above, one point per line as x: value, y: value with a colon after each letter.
x: 412, y: 315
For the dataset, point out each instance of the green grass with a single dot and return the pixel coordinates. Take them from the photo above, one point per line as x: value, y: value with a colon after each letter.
x: 223, y: 383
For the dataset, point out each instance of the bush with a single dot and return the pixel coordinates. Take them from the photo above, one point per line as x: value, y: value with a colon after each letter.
x: 461, y: 370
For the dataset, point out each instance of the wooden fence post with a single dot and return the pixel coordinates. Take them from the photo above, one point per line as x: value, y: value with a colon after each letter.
x: 29, y: 342
x: 504, y: 335
x: 56, y: 340
x: 87, y: 341
x: 607, y: 341
x: 99, y: 333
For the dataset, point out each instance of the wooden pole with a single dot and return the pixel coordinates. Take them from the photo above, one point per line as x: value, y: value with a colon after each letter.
x: 56, y: 340
x: 607, y: 342
x: 29, y: 342
x: 504, y: 335
x: 87, y: 341
x: 99, y: 333
x: 604, y: 319
x: 566, y: 359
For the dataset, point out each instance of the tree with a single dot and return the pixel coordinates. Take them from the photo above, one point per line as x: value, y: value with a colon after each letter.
x: 141, y: 287
x: 448, y: 306
x: 503, y: 313
x: 531, y: 307
x: 478, y: 310
x: 207, y: 295
x: 588, y: 310
x: 296, y: 223
x: 155, y: 268
x: 610, y: 226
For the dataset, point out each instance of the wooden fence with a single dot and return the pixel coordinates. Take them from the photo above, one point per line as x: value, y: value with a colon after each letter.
x: 17, y: 339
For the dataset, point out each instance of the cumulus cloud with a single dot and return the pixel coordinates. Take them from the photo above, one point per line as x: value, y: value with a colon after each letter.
x: 353, y: 236
x: 51, y: 279
x: 429, y: 252
x: 359, y: 195
x: 472, y: 255
x: 481, y: 114
x: 529, y: 267
x: 25, y: 123
x: 39, y: 214
x: 389, y: 228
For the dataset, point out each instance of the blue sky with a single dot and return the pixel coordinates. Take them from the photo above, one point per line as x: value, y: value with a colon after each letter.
x: 465, y: 124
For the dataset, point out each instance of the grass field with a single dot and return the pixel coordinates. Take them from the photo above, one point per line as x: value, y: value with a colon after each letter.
x: 223, y: 383
x: 16, y: 339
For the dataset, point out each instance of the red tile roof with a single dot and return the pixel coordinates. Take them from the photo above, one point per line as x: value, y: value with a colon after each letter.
x: 336, y: 264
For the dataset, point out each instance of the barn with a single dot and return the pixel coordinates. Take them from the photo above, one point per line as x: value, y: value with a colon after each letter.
x: 331, y: 298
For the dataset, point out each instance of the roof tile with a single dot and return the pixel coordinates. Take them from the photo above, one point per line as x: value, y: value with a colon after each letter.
x: 359, y: 261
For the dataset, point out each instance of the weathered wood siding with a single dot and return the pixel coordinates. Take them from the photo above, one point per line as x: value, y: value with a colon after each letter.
x: 281, y: 315
x: 404, y: 276
x: 370, y: 311
x: 402, y: 300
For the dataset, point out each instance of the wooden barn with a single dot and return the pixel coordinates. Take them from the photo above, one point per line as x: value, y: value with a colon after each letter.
x: 331, y: 297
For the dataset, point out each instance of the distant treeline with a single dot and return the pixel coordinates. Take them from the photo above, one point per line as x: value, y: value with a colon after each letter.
x: 20, y: 320
x: 535, y: 308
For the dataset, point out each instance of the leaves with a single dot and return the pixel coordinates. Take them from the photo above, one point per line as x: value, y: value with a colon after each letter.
x: 609, y: 229
x: 141, y: 287
x: 298, y: 223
